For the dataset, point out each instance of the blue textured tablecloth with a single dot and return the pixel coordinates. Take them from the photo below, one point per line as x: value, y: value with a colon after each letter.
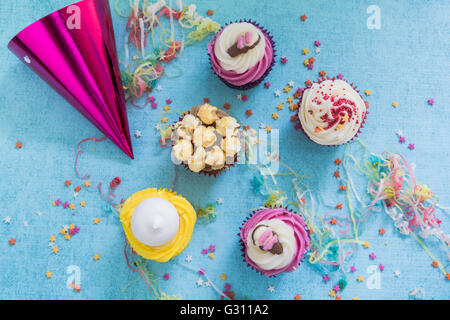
x: 407, y: 61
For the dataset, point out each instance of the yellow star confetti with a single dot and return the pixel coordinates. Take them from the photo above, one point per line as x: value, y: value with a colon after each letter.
x: 62, y: 231
x: 268, y: 129
x: 368, y: 92
x: 306, y: 62
x: 292, y: 107
x: 87, y: 183
x: 366, y: 244
x: 280, y: 107
x: 332, y: 293
x: 52, y: 239
x: 290, y: 99
x: 48, y: 274
x: 71, y: 227
x: 223, y: 276
x: 211, y: 255
x: 360, y: 278
x: 67, y: 236
x: 83, y: 203
x: 395, y: 104
x: 305, y: 51
x: 275, y: 115
x: 355, y: 298
x: 96, y: 257
x: 72, y: 207
x: 287, y: 89
x: 164, y: 120
x: 55, y: 249
x: 96, y: 220
x: 166, y: 108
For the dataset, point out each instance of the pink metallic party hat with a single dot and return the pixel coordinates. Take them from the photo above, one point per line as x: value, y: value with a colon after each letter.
x: 73, y: 50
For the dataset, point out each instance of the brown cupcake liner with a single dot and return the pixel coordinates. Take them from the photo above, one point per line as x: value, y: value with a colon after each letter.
x: 298, y: 124
x: 209, y: 173
x: 266, y: 73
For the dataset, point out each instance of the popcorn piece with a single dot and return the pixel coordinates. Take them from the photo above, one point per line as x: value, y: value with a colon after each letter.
x: 226, y: 123
x: 182, y: 150
x: 231, y: 146
x: 207, y: 113
x: 197, y: 161
x: 204, y: 137
x: 190, y: 122
x: 182, y: 133
x: 215, y: 158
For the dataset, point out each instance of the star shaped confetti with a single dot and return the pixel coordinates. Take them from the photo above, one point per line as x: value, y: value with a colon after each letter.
x: 96, y: 257
x: 48, y: 274
x: 7, y: 219
x: 271, y: 288
x: 188, y: 259
x: 138, y: 134
x: 277, y: 93
x: 372, y: 256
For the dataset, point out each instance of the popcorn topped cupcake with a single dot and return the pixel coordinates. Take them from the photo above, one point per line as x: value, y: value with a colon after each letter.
x: 242, y: 54
x: 331, y: 112
x: 206, y: 140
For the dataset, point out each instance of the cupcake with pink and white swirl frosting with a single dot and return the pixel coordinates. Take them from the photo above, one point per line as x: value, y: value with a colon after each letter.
x: 274, y: 241
x: 242, y: 54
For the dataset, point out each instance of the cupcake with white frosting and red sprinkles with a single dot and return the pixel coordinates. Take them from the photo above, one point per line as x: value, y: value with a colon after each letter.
x: 331, y: 112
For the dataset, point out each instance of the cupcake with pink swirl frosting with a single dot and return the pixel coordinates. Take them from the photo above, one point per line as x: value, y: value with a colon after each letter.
x: 274, y: 241
x: 242, y: 54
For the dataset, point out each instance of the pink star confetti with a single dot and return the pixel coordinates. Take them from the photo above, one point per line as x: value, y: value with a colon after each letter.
x: 381, y: 267
x: 201, y: 272
x: 154, y: 105
x: 411, y: 146
x: 168, y: 101
x: 352, y: 269
x: 310, y: 66
x: 65, y: 205
x: 401, y: 139
x: 57, y: 202
x: 166, y: 276
x: 317, y: 43
x: 267, y: 85
x: 151, y: 99
x: 340, y: 76
x: 336, y: 288
x: 204, y: 251
x: 326, y: 278
x: 212, y: 248
x: 284, y: 60
x: 244, y: 98
x: 73, y: 231
x: 431, y: 101
x: 372, y: 256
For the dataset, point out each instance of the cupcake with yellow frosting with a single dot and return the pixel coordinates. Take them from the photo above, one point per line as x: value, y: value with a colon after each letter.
x: 206, y: 140
x: 331, y: 112
x: 158, y: 223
